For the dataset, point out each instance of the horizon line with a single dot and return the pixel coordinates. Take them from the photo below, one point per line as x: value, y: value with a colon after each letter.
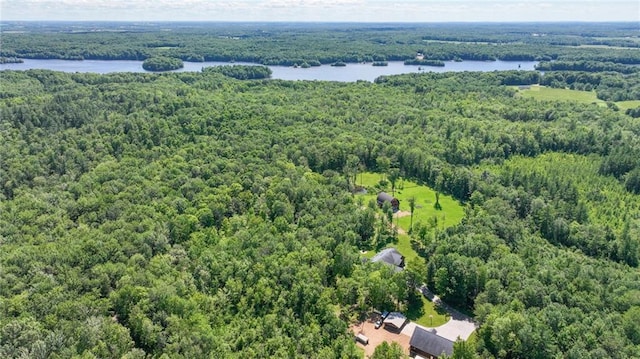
x: 333, y: 22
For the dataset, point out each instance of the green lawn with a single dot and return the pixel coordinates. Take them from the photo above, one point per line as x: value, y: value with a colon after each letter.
x: 554, y: 94
x: 625, y: 105
x: 420, y: 309
x: 404, y: 246
x: 425, y: 313
x: 424, y: 212
x: 450, y: 215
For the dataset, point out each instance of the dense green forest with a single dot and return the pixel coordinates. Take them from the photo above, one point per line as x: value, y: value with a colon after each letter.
x: 197, y: 215
x: 211, y: 214
x: 288, y: 43
x: 161, y: 63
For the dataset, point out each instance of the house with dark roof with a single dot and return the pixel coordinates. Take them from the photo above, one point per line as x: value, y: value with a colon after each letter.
x: 385, y: 197
x: 429, y: 345
x: 391, y: 257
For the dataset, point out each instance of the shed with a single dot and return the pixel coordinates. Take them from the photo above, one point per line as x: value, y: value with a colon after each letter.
x: 394, y: 321
x: 385, y: 197
x: 362, y: 339
x: 429, y: 344
x: 390, y: 256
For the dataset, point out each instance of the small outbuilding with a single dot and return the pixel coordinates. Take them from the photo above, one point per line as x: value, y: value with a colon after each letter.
x: 394, y: 321
x: 362, y: 339
x: 429, y: 345
x: 385, y: 197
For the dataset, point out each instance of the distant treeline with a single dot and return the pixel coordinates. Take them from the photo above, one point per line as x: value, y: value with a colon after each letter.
x: 10, y: 60
x: 287, y: 45
x: 588, y: 66
x: 609, y: 86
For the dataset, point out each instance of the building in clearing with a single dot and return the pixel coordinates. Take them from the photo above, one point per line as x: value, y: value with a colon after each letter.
x: 429, y: 345
x: 385, y: 197
x: 391, y: 257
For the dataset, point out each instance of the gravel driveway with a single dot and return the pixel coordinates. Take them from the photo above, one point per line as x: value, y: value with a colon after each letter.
x: 459, y: 326
x: 377, y: 336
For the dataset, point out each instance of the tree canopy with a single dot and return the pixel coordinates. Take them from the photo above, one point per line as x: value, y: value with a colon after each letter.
x: 162, y: 64
x: 195, y: 215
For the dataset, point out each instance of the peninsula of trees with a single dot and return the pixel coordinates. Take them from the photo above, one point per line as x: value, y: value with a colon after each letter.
x: 158, y: 64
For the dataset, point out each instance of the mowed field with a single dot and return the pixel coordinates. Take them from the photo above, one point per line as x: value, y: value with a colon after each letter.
x: 424, y: 212
x: 421, y: 311
x: 625, y: 105
x: 553, y: 94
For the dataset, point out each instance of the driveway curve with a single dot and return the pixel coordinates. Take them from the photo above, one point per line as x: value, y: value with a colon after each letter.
x: 459, y: 326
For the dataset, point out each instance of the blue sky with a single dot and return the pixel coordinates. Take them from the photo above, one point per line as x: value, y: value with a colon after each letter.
x: 322, y: 10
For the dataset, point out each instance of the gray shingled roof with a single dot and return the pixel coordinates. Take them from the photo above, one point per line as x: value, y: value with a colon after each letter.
x: 390, y: 256
x: 431, y: 343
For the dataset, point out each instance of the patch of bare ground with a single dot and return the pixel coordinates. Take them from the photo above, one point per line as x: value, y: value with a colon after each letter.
x: 377, y: 336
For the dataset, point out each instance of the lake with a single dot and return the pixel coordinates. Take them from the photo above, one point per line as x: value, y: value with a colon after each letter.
x: 349, y: 73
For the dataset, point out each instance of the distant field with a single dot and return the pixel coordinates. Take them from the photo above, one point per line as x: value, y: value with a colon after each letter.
x: 624, y: 105
x: 603, y: 47
x: 458, y: 42
x: 554, y: 94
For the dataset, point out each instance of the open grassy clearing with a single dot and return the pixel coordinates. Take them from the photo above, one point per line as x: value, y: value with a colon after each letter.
x: 553, y: 94
x: 450, y: 215
x: 423, y: 312
x: 625, y: 105
x: 420, y: 309
x: 424, y: 212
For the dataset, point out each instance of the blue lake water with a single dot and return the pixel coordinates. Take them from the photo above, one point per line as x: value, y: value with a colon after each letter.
x: 349, y: 73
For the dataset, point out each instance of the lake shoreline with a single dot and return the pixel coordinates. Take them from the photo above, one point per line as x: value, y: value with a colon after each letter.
x: 350, y: 73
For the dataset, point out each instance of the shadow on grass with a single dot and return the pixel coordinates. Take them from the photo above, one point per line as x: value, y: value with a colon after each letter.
x: 441, y: 311
x: 415, y: 306
x: 424, y: 312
